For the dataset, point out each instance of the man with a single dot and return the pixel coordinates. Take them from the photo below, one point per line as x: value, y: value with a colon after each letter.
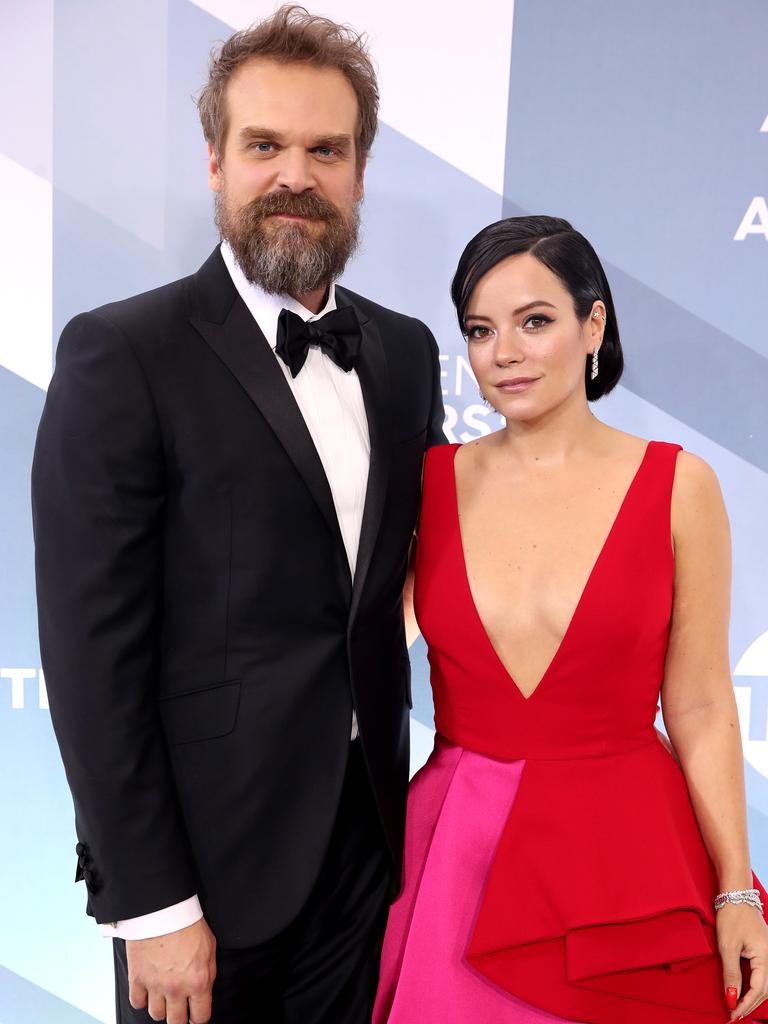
x: 225, y: 485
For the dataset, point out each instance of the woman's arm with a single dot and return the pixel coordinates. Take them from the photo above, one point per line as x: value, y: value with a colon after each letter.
x: 700, y: 713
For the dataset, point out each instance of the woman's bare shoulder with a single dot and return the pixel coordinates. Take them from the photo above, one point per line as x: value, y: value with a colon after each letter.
x: 697, y: 500
x: 695, y: 482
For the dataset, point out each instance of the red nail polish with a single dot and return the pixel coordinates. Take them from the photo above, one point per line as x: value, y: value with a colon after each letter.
x: 731, y: 997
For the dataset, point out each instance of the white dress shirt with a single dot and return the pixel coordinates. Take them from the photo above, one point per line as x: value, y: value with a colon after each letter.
x: 331, y: 402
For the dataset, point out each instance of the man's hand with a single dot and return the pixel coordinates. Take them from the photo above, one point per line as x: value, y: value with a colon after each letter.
x: 172, y: 975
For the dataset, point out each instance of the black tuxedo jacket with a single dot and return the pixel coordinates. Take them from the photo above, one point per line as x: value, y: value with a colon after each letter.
x: 202, y: 640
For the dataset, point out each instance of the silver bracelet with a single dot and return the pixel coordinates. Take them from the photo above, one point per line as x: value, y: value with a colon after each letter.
x: 750, y: 896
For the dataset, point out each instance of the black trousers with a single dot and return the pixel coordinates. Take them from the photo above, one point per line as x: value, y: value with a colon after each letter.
x: 324, y: 967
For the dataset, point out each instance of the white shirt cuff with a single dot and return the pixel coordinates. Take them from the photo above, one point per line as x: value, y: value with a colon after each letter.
x: 160, y: 922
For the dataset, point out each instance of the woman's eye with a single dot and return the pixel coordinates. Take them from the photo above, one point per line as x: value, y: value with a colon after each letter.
x: 535, y: 323
x: 477, y: 333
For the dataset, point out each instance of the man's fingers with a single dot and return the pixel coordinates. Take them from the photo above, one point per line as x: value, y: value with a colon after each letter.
x: 200, y: 994
x: 137, y: 994
x: 200, y: 1009
x: 156, y: 1006
x: 176, y: 1011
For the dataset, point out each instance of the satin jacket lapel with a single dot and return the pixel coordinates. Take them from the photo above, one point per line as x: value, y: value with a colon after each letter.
x: 374, y: 382
x: 227, y: 326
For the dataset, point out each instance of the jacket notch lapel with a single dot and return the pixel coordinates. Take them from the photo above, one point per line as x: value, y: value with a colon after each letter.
x: 240, y: 345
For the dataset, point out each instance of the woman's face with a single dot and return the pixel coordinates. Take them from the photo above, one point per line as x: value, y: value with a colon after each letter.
x: 526, y: 346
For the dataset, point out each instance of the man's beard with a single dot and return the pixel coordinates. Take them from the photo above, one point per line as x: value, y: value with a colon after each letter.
x: 288, y: 258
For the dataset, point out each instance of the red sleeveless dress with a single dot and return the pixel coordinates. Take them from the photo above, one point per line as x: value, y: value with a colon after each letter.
x: 554, y: 870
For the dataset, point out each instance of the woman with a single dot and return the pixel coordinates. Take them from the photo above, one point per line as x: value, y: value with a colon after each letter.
x: 560, y: 864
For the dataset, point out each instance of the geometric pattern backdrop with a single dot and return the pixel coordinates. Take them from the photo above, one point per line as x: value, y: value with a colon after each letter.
x: 644, y: 123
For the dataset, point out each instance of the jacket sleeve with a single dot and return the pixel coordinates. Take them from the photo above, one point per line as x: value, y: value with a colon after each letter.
x: 435, y: 433
x: 97, y: 500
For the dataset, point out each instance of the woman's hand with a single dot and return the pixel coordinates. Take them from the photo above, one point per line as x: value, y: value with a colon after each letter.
x: 742, y: 933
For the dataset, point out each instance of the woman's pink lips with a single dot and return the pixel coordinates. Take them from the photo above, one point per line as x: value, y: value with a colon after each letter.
x: 515, y: 383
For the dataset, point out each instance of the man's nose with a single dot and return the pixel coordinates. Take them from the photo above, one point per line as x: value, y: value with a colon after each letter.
x: 295, y: 172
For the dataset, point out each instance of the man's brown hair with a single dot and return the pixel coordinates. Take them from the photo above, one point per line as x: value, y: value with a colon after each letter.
x: 293, y: 35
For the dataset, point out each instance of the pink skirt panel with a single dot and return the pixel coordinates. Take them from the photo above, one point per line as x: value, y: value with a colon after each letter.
x: 458, y: 805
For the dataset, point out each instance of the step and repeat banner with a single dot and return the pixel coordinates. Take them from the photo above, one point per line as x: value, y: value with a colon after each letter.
x: 645, y: 123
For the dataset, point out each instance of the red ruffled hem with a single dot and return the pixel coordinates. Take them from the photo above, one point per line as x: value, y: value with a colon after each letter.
x: 659, y: 971
x: 622, y: 930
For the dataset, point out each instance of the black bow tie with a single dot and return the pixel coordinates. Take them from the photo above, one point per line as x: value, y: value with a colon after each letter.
x: 337, y: 333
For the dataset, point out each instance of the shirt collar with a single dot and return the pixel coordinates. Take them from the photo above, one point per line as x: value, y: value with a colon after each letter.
x: 265, y: 308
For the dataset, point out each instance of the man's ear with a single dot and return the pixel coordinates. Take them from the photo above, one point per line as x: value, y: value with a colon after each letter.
x: 214, y: 169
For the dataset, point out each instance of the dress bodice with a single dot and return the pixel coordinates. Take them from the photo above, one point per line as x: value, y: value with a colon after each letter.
x: 599, y: 693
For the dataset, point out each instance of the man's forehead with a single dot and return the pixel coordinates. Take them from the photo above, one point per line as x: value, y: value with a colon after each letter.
x: 275, y: 82
x: 291, y: 104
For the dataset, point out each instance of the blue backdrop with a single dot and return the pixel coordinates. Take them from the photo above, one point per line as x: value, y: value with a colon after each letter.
x: 644, y: 123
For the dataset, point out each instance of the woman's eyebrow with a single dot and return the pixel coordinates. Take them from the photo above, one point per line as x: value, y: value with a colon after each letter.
x: 516, y: 312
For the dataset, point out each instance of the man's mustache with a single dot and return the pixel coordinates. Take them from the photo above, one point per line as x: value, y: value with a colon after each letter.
x: 303, y: 204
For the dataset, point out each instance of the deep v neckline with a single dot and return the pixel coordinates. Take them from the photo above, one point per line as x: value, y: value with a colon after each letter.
x: 582, y: 596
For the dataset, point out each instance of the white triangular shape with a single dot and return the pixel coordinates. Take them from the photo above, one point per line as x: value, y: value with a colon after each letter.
x: 26, y: 273
x: 444, y: 80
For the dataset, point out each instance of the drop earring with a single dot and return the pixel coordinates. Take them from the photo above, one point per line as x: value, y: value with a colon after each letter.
x: 596, y: 316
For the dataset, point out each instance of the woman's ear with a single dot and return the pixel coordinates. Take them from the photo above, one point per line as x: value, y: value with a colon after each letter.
x: 596, y: 329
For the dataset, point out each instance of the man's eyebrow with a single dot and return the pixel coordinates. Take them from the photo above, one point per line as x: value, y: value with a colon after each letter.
x: 340, y: 141
x: 334, y: 141
x: 254, y: 131
x: 515, y: 312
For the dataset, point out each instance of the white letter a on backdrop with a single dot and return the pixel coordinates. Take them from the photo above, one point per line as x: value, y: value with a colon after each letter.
x: 754, y: 221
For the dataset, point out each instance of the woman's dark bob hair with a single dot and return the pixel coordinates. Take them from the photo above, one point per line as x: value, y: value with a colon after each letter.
x: 570, y: 257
